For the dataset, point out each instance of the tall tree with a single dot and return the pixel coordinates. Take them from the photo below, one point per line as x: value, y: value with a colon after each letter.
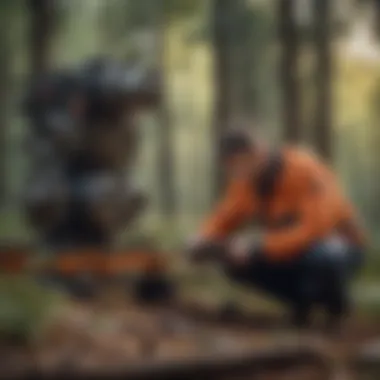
x: 6, y: 13
x: 289, y: 70
x: 376, y: 4
x: 165, y: 149
x: 222, y: 82
x: 256, y: 65
x: 236, y: 46
x: 323, y: 76
x: 42, y: 22
x: 249, y: 49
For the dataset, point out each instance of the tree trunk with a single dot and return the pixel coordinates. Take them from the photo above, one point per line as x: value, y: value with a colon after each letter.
x: 289, y: 71
x: 165, y: 140
x: 41, y: 30
x: 5, y: 83
x: 377, y: 18
x: 322, y: 39
x: 41, y: 22
x: 249, y: 101
x: 243, y: 56
x: 222, y: 82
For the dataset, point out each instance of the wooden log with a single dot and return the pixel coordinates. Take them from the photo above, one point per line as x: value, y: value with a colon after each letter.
x: 215, y: 366
x: 366, y: 361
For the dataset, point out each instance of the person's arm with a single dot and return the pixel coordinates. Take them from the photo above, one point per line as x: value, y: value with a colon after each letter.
x: 234, y: 210
x: 317, y: 214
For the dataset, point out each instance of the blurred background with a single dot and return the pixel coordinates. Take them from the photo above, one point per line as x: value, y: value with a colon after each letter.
x: 230, y: 61
x: 301, y: 71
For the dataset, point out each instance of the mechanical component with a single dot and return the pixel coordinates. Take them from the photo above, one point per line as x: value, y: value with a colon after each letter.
x: 82, y: 141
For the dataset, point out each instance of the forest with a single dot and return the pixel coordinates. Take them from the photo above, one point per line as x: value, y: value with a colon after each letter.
x: 294, y: 71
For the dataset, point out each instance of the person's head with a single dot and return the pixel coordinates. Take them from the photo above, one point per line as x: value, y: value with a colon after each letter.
x: 240, y: 152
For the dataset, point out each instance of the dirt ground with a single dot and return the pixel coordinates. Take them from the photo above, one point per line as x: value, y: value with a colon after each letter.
x: 101, y: 335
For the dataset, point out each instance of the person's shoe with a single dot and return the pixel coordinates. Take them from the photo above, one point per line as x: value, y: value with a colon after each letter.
x: 336, y: 314
x: 337, y: 305
x: 154, y: 288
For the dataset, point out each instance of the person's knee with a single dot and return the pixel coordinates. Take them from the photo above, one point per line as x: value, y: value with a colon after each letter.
x: 331, y: 254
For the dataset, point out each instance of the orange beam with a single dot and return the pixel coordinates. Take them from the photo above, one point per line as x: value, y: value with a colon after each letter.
x: 96, y: 262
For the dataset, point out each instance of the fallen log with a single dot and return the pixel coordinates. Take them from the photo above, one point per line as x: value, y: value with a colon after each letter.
x: 210, y: 367
x: 366, y: 361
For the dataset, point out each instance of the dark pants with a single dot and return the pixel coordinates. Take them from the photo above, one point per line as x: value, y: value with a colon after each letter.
x: 319, y: 276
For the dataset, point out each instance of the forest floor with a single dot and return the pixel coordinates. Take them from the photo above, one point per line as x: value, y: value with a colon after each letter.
x: 114, y: 332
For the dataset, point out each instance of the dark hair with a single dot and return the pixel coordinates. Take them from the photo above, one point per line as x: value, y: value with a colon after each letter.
x: 235, y: 141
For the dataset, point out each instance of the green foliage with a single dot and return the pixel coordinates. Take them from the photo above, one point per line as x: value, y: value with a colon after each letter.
x: 25, y: 308
x: 120, y: 18
x: 371, y: 271
x: 175, y: 9
x: 9, y: 6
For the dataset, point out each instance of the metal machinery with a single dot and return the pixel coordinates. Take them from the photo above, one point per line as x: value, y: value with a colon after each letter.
x: 79, y: 195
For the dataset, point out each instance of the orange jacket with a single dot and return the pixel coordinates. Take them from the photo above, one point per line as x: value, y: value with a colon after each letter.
x: 305, y: 191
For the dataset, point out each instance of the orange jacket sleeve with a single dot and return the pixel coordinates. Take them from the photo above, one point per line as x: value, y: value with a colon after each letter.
x: 234, y: 210
x: 317, y: 215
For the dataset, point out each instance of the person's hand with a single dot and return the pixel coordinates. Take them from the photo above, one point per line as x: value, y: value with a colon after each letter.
x: 242, y: 250
x: 192, y: 247
x: 200, y: 249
